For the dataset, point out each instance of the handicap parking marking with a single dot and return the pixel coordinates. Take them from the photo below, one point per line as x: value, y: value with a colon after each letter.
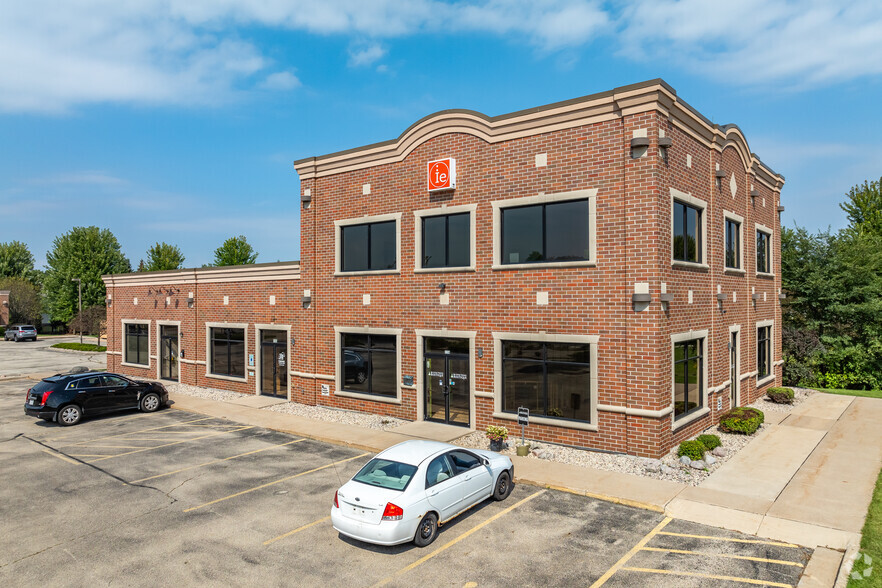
x: 297, y: 530
x: 456, y: 540
x: 332, y: 464
x: 207, y: 463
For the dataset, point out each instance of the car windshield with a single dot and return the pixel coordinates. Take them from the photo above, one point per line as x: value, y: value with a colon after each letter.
x: 383, y: 473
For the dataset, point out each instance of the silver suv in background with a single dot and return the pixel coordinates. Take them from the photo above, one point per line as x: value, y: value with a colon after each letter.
x: 20, y: 333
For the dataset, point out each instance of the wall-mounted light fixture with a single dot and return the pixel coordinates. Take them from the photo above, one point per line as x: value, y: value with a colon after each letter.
x: 639, y: 145
x: 640, y: 301
x: 480, y: 352
x: 108, y: 301
x: 306, y: 198
x: 190, y: 301
x: 442, y: 286
x: 719, y: 175
x: 780, y: 209
x: 666, y: 298
x: 754, y: 193
x: 782, y: 296
x: 754, y: 297
x: 721, y: 298
x: 664, y: 143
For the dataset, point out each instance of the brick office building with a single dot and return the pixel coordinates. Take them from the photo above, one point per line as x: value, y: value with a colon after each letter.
x: 610, y: 262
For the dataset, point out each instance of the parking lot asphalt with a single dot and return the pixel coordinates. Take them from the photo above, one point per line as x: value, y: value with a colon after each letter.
x: 177, y: 498
x: 31, y: 357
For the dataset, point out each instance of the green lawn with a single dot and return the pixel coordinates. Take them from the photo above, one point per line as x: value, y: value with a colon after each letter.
x: 81, y: 346
x: 871, y: 545
x: 864, y: 393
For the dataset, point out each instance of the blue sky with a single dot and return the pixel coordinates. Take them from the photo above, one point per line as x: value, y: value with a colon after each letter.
x: 178, y: 120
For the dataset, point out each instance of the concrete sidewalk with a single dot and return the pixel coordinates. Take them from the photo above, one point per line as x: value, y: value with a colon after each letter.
x: 807, y: 479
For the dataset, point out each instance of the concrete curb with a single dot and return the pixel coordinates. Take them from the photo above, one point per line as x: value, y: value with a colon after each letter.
x: 56, y: 350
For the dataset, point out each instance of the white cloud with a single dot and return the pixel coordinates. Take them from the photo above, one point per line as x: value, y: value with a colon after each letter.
x: 57, y: 55
x: 283, y: 80
x: 365, y: 55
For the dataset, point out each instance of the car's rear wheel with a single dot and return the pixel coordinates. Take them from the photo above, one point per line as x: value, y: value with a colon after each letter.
x: 503, y: 486
x: 426, y: 531
x: 69, y: 415
x: 16, y: 338
x: 150, y: 402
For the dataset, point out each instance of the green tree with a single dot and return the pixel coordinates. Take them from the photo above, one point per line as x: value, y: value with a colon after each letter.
x: 235, y: 251
x: 864, y: 207
x: 25, y: 304
x: 16, y: 261
x: 86, y: 253
x: 163, y: 256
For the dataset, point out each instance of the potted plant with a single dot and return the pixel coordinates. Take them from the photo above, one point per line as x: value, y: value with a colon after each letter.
x: 497, y: 435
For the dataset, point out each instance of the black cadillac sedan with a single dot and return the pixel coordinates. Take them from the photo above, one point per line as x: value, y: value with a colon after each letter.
x: 67, y: 398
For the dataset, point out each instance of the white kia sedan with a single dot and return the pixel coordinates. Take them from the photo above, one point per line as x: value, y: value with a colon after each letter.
x: 406, y: 492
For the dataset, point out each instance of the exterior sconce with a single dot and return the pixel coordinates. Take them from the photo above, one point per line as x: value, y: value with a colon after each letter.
x: 5, y: 303
x: 108, y: 301
x: 780, y: 209
x: 664, y: 143
x: 754, y: 297
x: 639, y: 145
x: 306, y: 300
x: 754, y: 194
x: 640, y: 301
x: 719, y: 175
x: 480, y: 352
x: 721, y: 298
x: 782, y: 296
x: 666, y: 299
x: 190, y: 302
x: 442, y: 286
x: 306, y: 198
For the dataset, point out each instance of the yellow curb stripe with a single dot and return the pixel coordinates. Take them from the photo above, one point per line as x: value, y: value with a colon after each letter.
x: 134, y: 432
x: 449, y: 544
x: 640, y: 544
x: 756, y: 541
x: 297, y: 530
x: 170, y: 444
x: 273, y: 483
x: 604, y: 497
x: 215, y: 461
x: 710, y: 577
x: 61, y: 456
x: 727, y: 555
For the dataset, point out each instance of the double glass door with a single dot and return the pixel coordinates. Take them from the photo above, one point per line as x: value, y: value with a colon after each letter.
x: 168, y: 352
x: 274, y: 363
x: 446, y: 380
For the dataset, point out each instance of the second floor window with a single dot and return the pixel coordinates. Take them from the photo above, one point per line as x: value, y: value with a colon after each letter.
x: 368, y: 247
x: 687, y: 233
x: 763, y: 259
x: 446, y: 240
x: 546, y: 233
x: 733, y: 244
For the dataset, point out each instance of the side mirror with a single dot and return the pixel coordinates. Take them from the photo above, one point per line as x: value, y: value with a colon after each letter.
x: 485, y: 461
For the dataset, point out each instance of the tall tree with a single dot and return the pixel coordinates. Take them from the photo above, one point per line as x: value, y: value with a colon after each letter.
x: 16, y: 261
x: 235, y: 251
x: 864, y: 207
x: 163, y: 256
x: 25, y: 305
x: 86, y: 253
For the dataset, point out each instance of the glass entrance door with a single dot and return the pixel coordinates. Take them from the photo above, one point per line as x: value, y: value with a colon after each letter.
x: 446, y: 380
x: 274, y: 363
x: 733, y: 370
x: 168, y: 352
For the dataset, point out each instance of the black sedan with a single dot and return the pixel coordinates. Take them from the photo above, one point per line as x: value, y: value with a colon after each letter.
x: 67, y: 398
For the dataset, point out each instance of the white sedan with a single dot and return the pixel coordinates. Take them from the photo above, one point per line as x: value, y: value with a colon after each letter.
x: 406, y: 492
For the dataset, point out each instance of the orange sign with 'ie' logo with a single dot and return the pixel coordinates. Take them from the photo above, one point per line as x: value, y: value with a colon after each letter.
x: 442, y: 174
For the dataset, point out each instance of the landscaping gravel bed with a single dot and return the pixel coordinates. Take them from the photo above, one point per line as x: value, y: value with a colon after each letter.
x: 337, y: 415
x: 666, y: 468
x: 319, y: 413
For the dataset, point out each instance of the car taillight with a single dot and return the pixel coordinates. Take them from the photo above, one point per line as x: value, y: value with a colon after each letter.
x: 392, y: 512
x: 28, y: 394
x: 337, y: 504
x: 46, y: 397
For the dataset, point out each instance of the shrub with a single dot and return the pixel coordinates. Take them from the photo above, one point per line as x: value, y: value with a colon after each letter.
x: 497, y: 433
x: 780, y: 395
x: 709, y: 441
x: 741, y: 419
x: 693, y: 449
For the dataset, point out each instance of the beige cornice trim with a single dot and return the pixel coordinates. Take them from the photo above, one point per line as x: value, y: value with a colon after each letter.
x: 653, y: 95
x: 258, y: 272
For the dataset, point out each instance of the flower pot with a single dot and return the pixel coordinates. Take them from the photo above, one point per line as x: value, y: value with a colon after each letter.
x: 496, y: 444
x: 523, y: 450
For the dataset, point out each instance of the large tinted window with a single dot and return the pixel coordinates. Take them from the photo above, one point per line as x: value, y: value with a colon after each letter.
x: 762, y: 252
x: 733, y: 244
x: 688, y: 378
x: 137, y: 337
x: 687, y: 232
x: 763, y: 352
x: 446, y: 240
x: 369, y: 364
x: 368, y: 247
x: 228, y: 352
x: 546, y: 233
x: 551, y: 379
